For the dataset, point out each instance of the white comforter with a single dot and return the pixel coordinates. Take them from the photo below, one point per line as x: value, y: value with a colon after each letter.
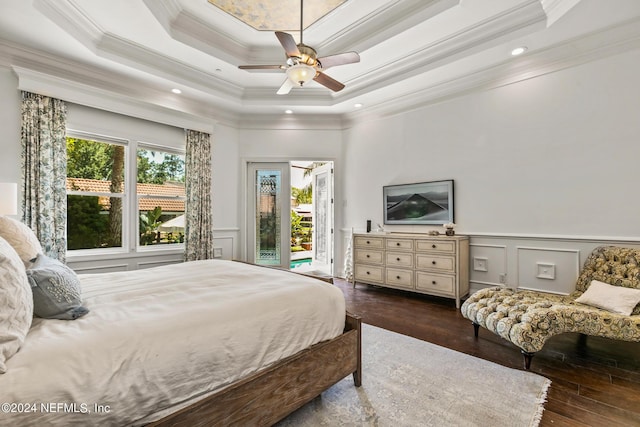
x: 158, y: 338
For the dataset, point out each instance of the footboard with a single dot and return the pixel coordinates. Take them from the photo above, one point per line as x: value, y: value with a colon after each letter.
x: 267, y: 396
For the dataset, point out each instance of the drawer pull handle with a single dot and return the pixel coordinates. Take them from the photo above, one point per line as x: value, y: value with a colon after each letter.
x: 368, y: 242
x: 397, y: 259
x: 398, y: 244
x: 433, y: 246
x: 433, y: 282
x: 368, y: 272
x: 398, y: 277
x: 433, y: 262
x: 368, y: 256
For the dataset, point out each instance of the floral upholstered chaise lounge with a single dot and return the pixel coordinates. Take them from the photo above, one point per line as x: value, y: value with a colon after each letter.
x: 607, y: 287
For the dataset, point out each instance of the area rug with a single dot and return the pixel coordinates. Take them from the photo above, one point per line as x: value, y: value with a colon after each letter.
x: 408, y: 382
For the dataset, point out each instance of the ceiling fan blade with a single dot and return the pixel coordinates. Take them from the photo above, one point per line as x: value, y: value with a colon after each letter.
x: 339, y: 59
x: 288, y: 43
x: 329, y: 82
x: 262, y: 68
x: 286, y: 87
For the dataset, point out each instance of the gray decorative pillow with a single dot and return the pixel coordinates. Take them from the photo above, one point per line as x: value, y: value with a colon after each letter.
x: 56, y: 290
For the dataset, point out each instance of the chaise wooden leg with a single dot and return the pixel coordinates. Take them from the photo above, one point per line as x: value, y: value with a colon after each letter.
x: 476, y: 327
x: 527, y: 359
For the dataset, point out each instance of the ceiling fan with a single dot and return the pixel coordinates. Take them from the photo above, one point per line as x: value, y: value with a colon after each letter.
x: 303, y: 64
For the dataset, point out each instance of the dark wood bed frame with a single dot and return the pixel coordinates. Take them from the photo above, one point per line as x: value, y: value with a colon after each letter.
x: 264, y: 398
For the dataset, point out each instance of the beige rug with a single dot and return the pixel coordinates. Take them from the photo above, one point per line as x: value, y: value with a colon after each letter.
x: 408, y: 382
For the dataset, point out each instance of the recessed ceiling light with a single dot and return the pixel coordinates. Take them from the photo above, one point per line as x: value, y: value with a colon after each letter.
x: 358, y: 105
x: 288, y: 111
x: 519, y: 50
x: 176, y: 91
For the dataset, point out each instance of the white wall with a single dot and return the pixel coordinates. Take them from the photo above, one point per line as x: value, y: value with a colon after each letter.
x: 226, y: 190
x: 554, y: 156
x: 10, y: 100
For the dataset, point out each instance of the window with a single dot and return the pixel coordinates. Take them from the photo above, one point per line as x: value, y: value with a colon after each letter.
x: 161, y: 195
x: 95, y: 193
x: 112, y: 200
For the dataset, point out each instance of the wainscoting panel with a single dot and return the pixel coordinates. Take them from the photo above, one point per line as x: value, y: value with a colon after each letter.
x: 151, y: 264
x: 487, y: 265
x: 223, y: 247
x: 106, y: 268
x: 548, y: 269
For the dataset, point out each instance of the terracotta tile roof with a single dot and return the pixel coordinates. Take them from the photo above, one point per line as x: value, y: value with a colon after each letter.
x: 145, y: 204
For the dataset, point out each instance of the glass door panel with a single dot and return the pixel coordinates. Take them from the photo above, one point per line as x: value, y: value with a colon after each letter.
x: 268, y: 217
x: 269, y: 205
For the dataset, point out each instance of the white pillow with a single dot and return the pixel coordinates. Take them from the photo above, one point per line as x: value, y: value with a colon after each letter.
x: 617, y: 299
x: 16, y: 303
x: 21, y: 237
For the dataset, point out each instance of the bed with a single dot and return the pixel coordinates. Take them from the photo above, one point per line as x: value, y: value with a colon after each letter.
x: 200, y: 343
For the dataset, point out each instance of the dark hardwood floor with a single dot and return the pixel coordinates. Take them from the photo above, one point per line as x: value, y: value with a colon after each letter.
x: 595, y: 381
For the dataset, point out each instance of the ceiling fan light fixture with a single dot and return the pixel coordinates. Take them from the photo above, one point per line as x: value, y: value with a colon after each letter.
x: 299, y: 74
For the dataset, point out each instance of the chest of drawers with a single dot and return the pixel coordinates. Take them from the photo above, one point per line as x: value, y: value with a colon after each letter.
x: 436, y: 265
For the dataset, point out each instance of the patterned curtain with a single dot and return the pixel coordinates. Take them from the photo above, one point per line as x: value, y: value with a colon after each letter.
x: 44, y: 170
x: 198, y: 239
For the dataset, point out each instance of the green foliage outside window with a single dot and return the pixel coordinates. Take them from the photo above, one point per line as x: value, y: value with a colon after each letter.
x: 87, y: 224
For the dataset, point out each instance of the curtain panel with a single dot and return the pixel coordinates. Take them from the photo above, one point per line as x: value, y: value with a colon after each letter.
x: 198, y: 239
x: 44, y: 171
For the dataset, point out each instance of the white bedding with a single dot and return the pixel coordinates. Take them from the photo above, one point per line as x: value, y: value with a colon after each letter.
x: 156, y: 338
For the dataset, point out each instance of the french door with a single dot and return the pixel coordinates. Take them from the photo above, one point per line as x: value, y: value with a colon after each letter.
x: 322, y: 184
x: 269, y: 214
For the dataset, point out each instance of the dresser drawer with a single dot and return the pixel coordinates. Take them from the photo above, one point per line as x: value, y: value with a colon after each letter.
x: 436, y: 283
x: 369, y: 273
x: 399, y: 278
x: 400, y: 259
x: 436, y: 262
x: 366, y: 256
x: 400, y: 244
x: 369, y: 242
x: 435, y: 246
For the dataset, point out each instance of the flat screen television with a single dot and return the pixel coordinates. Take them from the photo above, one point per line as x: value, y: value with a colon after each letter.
x: 419, y: 203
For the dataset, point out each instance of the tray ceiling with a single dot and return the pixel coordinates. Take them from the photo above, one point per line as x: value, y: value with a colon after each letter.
x: 412, y: 51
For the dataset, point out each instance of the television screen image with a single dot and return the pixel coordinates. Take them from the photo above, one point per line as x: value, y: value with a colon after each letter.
x: 419, y: 203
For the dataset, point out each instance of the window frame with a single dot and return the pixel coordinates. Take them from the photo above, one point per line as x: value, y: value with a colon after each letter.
x: 169, y: 150
x: 130, y: 211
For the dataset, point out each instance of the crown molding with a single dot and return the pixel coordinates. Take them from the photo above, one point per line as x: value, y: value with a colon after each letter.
x: 90, y: 95
x: 153, y: 62
x: 291, y: 122
x: 396, y: 16
x: 556, y: 9
x: 522, y: 19
x: 571, y: 53
x: 70, y: 17
x: 393, y: 18
x: 100, y: 88
x: 186, y: 27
